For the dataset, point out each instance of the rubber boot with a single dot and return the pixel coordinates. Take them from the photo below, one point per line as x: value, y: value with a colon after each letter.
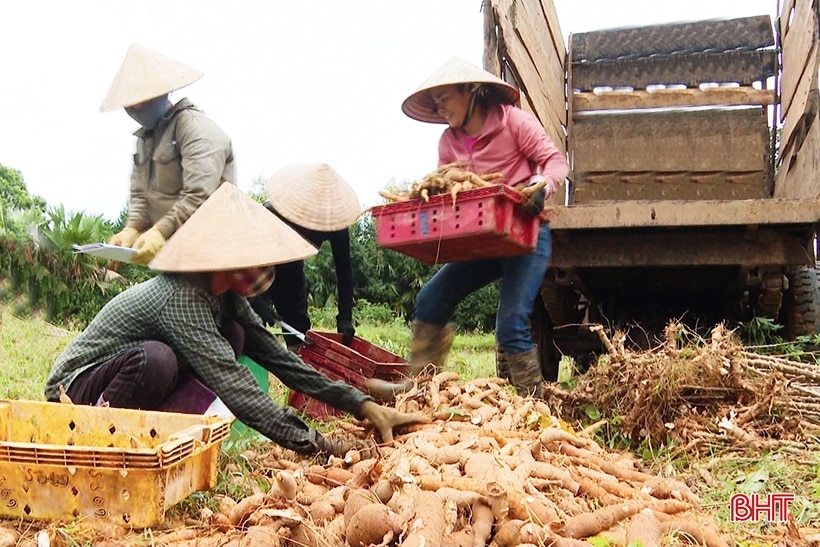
x: 429, y: 348
x: 525, y: 370
x: 502, y: 366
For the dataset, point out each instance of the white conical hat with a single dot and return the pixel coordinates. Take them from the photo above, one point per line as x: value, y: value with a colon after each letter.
x: 420, y: 105
x: 315, y: 196
x: 146, y: 74
x: 230, y: 231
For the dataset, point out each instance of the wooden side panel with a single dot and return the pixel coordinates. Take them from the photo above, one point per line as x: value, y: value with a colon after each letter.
x: 630, y: 248
x: 638, y: 99
x: 528, y: 48
x: 677, y: 154
x: 681, y: 140
x: 788, y: 7
x: 800, y: 104
x: 799, y: 174
x: 800, y: 39
x: 711, y: 185
x: 548, y: 9
x: 743, y: 67
x: 492, y: 54
x: 748, y: 33
x: 670, y: 213
x: 799, y: 85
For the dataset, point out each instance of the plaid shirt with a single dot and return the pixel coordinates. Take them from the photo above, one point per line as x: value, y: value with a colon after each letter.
x: 181, y: 311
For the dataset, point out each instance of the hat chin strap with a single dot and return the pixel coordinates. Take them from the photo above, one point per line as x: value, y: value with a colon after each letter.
x: 471, y: 109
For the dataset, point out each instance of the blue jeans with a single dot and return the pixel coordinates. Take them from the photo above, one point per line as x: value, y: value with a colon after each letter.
x: 521, y: 278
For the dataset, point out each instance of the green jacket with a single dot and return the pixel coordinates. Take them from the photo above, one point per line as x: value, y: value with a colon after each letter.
x: 176, y: 167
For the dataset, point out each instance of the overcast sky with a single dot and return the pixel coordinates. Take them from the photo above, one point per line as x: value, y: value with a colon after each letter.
x: 290, y: 82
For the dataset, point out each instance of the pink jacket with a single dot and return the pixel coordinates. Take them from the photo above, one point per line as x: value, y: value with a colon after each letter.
x: 512, y: 142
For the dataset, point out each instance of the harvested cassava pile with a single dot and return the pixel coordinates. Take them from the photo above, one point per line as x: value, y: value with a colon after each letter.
x: 451, y: 179
x: 493, y: 468
x: 701, y: 394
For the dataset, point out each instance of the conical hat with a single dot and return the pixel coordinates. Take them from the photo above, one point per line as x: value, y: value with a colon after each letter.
x: 230, y: 231
x: 146, y: 74
x: 313, y: 195
x: 420, y: 105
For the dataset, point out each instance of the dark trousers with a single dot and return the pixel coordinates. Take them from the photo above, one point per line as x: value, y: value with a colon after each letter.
x: 149, y: 377
x: 139, y: 377
x: 288, y: 295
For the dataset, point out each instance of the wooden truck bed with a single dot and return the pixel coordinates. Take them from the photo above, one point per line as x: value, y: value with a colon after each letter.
x: 694, y: 161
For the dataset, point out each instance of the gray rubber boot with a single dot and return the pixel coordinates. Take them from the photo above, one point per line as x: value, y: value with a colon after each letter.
x: 502, y: 366
x: 384, y: 390
x: 428, y: 351
x: 430, y: 346
x: 525, y: 370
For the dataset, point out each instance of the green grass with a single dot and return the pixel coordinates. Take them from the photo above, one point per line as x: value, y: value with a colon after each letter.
x: 28, y: 347
x: 472, y: 355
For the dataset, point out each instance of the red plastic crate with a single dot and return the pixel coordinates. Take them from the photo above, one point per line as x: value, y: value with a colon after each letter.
x: 352, y: 364
x: 483, y: 223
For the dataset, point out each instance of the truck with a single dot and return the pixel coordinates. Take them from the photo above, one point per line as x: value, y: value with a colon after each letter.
x: 694, y: 190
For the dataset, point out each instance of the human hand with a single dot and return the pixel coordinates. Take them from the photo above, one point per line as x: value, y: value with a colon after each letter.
x: 385, y: 418
x: 125, y: 237
x: 540, y: 181
x: 345, y: 328
x: 534, y: 204
x: 147, y: 246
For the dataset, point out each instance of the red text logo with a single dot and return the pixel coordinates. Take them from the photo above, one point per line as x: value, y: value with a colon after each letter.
x: 751, y: 507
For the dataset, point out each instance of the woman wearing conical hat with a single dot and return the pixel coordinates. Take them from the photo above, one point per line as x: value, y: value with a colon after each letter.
x: 314, y: 200
x: 490, y: 135
x: 172, y: 342
x: 182, y: 155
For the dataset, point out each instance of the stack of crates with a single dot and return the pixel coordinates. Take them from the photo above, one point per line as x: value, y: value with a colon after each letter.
x: 351, y: 364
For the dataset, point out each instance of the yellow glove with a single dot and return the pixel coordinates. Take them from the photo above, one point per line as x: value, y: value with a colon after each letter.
x: 125, y: 238
x: 147, y: 246
x: 385, y: 418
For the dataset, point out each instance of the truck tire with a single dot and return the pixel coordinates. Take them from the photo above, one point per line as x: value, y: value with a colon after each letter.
x: 561, y: 303
x: 770, y: 293
x: 542, y: 335
x: 801, y: 303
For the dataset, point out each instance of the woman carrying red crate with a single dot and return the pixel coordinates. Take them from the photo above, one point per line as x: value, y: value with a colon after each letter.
x: 489, y: 135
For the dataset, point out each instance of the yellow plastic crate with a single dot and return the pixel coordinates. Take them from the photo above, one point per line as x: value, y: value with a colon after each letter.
x: 64, y: 462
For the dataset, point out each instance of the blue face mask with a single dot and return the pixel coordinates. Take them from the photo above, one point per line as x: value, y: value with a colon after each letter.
x: 149, y: 113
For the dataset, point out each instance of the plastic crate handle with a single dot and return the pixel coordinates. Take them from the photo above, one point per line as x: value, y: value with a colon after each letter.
x: 200, y: 433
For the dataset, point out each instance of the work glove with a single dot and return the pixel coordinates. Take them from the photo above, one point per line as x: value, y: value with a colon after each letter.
x: 147, y: 246
x: 534, y: 204
x: 385, y: 419
x: 124, y: 238
x: 535, y: 193
x: 345, y: 328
